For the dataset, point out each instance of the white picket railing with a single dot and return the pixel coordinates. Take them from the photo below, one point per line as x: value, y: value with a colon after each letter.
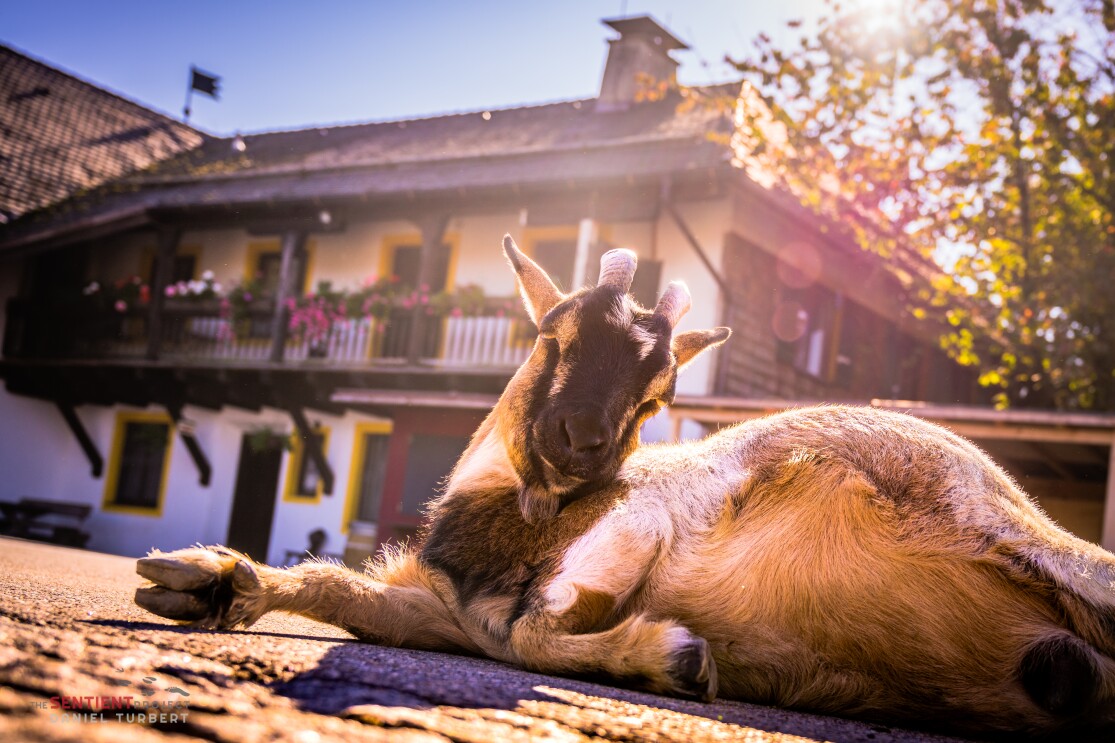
x: 483, y: 341
x: 466, y: 342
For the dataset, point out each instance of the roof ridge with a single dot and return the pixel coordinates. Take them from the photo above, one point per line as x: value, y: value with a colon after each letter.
x: 414, y: 119
x: 145, y: 178
x: 454, y: 114
x: 103, y: 89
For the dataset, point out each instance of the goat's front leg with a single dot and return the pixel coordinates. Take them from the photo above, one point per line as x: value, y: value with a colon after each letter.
x: 573, y: 627
x: 399, y: 603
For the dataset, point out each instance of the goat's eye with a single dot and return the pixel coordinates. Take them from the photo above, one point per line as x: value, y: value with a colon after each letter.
x: 546, y: 333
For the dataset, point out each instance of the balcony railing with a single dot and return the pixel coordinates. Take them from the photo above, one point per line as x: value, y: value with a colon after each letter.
x: 197, y: 332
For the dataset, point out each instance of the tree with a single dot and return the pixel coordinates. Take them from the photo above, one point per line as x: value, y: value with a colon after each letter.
x: 981, y: 134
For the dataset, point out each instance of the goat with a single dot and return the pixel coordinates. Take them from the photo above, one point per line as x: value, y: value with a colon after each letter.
x: 836, y: 559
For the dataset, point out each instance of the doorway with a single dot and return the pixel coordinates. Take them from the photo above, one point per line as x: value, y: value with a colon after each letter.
x: 253, y: 500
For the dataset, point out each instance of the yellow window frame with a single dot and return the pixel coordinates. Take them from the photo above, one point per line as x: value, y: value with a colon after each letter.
x: 533, y: 235
x: 359, y: 451
x: 257, y: 248
x: 297, y: 452
x: 112, y: 480
x: 392, y: 242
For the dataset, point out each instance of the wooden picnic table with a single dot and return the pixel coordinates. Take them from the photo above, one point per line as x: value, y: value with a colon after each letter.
x: 25, y: 519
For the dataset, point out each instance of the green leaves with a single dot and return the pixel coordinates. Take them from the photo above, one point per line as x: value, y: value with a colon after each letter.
x: 980, y: 130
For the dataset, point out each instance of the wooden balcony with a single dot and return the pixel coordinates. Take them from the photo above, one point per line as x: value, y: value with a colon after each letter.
x: 197, y: 333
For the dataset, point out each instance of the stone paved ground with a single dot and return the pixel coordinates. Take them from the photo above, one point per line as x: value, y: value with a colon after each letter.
x: 68, y: 628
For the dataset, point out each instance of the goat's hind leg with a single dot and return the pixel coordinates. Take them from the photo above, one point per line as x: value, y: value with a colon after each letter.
x: 398, y: 603
x: 658, y: 655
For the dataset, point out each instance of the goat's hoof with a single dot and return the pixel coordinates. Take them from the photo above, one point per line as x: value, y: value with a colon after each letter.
x: 207, y: 587
x: 692, y: 670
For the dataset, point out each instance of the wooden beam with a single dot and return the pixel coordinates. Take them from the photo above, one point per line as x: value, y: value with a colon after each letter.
x: 586, y: 238
x: 683, y: 227
x: 96, y: 461
x: 186, y: 433
x: 311, y: 448
x: 433, y: 232
x: 293, y: 250
x: 164, y: 267
x: 1107, y: 540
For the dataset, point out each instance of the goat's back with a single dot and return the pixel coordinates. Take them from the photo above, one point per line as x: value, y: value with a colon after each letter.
x: 862, y: 561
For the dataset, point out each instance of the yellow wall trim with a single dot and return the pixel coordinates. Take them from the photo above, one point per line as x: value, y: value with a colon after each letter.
x: 359, y: 450
x: 257, y: 248
x: 294, y: 464
x: 123, y: 418
x: 401, y: 239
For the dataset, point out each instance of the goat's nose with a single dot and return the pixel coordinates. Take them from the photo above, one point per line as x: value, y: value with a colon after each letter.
x: 586, y: 432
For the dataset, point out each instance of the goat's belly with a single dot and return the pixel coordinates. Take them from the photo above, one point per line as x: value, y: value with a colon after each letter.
x: 835, y: 609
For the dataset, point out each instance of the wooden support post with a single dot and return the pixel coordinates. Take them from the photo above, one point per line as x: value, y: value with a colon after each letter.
x: 433, y: 232
x: 293, y: 254
x: 96, y: 461
x: 586, y: 238
x: 311, y: 448
x: 1107, y: 540
x: 186, y: 433
x: 675, y: 427
x: 164, y: 267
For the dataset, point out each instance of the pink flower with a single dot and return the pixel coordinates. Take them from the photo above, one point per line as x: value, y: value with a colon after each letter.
x: 121, y: 305
x: 170, y: 291
x: 247, y: 296
x: 455, y: 312
x: 499, y: 313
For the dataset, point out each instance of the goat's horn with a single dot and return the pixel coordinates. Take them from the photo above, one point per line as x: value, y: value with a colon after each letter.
x: 674, y: 303
x: 617, y: 268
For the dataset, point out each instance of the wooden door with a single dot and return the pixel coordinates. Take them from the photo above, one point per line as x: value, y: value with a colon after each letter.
x: 253, y: 501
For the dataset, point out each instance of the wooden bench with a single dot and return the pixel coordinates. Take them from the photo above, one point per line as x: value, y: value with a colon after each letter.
x: 58, y: 522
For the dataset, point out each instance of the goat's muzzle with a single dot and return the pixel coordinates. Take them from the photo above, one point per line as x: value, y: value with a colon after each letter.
x: 577, y: 444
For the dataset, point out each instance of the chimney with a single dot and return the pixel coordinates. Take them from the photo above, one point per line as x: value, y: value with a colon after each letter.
x: 642, y: 50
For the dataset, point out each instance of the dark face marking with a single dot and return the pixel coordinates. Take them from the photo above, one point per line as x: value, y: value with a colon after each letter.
x: 610, y: 368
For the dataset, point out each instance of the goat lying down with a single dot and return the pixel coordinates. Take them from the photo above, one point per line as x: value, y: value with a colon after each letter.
x: 836, y: 559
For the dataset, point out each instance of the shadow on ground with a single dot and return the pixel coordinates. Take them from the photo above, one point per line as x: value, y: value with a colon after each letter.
x: 396, y: 688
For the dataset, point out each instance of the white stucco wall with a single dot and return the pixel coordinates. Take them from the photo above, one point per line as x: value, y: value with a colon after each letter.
x: 40, y: 458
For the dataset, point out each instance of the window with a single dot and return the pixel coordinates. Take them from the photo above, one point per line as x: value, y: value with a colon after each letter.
x: 805, y: 321
x: 430, y: 459
x: 183, y: 267
x: 557, y: 258
x: 265, y: 261
x: 140, y: 455
x: 402, y: 258
x: 303, y: 482
x: 369, y: 468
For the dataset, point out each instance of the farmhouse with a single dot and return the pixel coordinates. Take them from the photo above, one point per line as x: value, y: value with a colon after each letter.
x: 246, y: 339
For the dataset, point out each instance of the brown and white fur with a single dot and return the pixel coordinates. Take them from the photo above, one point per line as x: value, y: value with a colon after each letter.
x: 836, y: 559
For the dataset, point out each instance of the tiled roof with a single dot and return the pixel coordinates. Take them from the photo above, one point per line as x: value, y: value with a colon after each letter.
x: 60, y: 135
x: 555, y: 143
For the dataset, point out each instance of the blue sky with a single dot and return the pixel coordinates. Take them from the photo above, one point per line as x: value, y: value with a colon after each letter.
x: 292, y: 64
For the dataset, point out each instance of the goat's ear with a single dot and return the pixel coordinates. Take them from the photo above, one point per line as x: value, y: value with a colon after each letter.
x: 537, y: 290
x: 688, y: 345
